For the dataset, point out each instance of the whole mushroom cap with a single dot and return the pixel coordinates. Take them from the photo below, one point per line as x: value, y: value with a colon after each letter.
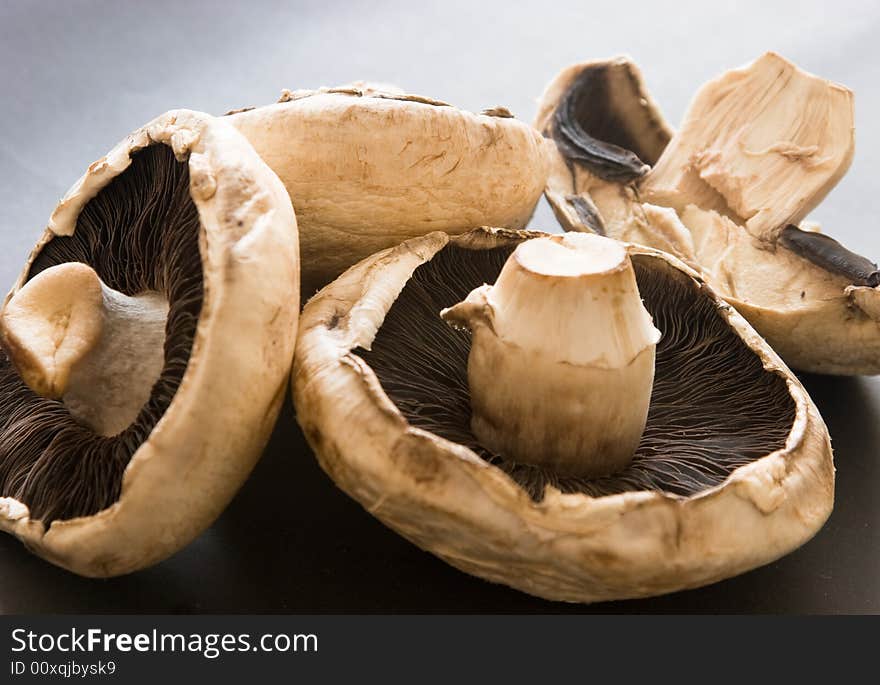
x: 733, y: 471
x: 185, y: 210
x: 368, y: 168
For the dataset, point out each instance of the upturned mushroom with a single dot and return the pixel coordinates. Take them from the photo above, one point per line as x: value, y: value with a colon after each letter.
x: 147, y: 345
x: 474, y: 445
x: 758, y: 149
x: 368, y: 167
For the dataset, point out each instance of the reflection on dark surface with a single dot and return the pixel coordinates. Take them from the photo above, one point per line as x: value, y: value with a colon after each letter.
x: 292, y: 543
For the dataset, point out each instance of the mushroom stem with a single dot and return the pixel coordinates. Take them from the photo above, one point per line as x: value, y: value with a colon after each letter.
x: 73, y: 338
x: 562, y: 358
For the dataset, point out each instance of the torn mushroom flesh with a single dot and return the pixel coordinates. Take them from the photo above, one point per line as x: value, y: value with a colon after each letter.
x: 759, y: 148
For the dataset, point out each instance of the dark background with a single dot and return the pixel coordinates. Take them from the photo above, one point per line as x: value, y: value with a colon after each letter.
x: 75, y: 77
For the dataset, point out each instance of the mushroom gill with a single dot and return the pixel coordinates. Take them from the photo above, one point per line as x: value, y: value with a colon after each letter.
x: 140, y: 234
x: 604, y: 122
x: 713, y: 408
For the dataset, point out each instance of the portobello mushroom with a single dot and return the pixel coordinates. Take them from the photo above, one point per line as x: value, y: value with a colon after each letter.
x: 147, y: 343
x: 368, y: 167
x: 758, y: 149
x: 732, y: 470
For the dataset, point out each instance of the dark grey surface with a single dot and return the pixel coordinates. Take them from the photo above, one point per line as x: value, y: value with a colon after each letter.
x: 75, y: 77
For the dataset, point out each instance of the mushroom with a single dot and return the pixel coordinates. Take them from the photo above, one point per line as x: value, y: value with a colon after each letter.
x: 759, y: 148
x: 368, y: 167
x: 733, y: 468
x: 147, y: 345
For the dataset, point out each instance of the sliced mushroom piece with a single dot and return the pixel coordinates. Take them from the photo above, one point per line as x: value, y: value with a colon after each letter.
x: 147, y: 345
x: 759, y: 148
x: 733, y: 468
x: 368, y: 168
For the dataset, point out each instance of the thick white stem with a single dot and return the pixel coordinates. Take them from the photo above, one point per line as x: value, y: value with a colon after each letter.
x: 562, y: 359
x: 73, y: 338
x: 763, y: 145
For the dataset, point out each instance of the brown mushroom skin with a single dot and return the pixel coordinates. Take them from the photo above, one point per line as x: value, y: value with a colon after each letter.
x: 447, y: 500
x: 175, y: 485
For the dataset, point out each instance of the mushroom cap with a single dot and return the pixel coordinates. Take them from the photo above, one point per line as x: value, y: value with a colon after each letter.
x: 580, y: 544
x: 368, y: 168
x: 818, y: 319
x: 193, y: 460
